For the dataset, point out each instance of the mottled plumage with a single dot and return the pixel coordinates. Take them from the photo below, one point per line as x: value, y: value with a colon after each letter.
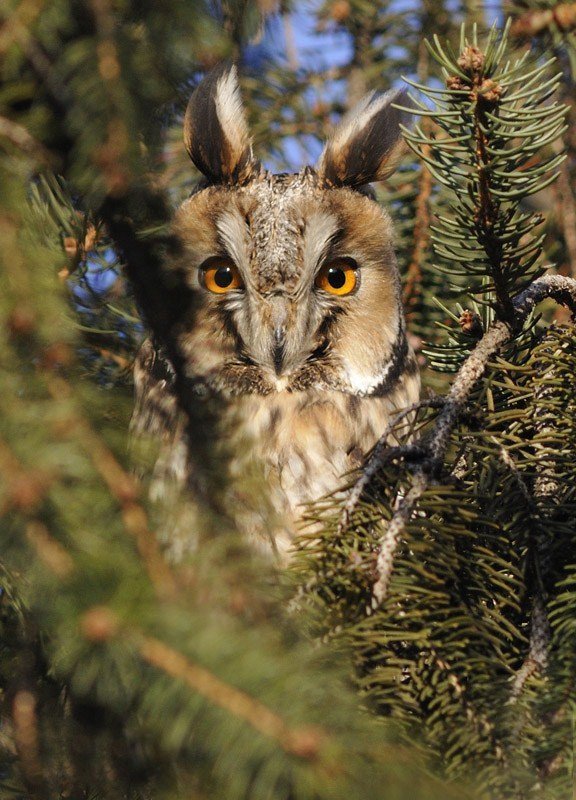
x: 299, y: 324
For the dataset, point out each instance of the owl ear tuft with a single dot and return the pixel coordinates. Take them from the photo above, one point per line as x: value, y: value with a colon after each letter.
x: 367, y: 144
x: 215, y: 128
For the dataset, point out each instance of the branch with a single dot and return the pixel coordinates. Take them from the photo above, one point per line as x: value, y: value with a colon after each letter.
x: 539, y: 21
x: 560, y: 288
x: 20, y: 137
x: 168, y: 306
x: 123, y: 487
x: 537, y: 659
x: 302, y: 742
x: 100, y: 624
x: 381, y: 455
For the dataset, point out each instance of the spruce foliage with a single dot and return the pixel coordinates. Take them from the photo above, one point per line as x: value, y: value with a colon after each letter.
x: 447, y: 578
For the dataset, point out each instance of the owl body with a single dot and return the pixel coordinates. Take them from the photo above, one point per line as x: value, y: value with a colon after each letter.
x: 298, y: 327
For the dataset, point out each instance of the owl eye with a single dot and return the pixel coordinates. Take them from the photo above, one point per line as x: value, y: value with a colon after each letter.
x: 338, y: 277
x: 220, y: 276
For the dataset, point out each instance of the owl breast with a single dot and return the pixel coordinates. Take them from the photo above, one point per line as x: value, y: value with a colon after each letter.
x: 308, y: 444
x: 298, y: 445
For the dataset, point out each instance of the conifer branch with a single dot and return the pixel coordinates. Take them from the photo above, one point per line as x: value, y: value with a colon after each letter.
x: 167, y: 303
x: 563, y: 290
x: 124, y: 489
x: 381, y: 455
x: 537, y: 659
x: 537, y: 21
x: 539, y: 638
x: 303, y: 742
x: 489, y: 126
x: 545, y: 493
x: 483, y: 725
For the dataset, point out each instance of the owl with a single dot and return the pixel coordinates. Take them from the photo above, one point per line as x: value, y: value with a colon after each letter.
x: 299, y: 329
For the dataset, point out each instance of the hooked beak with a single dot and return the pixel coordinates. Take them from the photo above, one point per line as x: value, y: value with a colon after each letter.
x: 279, y: 316
x: 279, y: 348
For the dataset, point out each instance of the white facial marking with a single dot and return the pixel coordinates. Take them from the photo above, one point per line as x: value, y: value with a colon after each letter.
x: 320, y: 228
x: 365, y: 381
x: 232, y: 229
x: 281, y: 383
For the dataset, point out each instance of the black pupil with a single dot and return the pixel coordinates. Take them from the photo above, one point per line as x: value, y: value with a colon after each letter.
x: 336, y: 277
x: 223, y: 277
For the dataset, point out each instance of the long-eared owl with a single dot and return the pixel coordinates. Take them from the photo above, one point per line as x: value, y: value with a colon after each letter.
x: 299, y: 326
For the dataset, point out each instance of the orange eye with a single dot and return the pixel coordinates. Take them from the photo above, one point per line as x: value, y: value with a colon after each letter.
x: 220, y: 276
x: 338, y: 277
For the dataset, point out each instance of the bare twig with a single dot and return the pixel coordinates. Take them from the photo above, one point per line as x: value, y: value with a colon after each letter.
x: 389, y: 540
x: 537, y: 658
x: 381, y: 455
x: 560, y: 288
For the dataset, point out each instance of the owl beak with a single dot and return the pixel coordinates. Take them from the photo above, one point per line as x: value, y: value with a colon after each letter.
x: 279, y: 313
x: 279, y: 348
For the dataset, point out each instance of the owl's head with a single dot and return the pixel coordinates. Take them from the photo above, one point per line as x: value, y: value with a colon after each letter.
x: 295, y: 275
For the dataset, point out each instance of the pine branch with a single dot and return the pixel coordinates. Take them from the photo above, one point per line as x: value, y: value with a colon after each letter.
x: 124, y: 489
x: 539, y: 640
x: 537, y: 659
x: 434, y: 447
x: 383, y: 454
x: 204, y: 680
x: 301, y: 742
x: 537, y: 21
x: 491, y: 117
